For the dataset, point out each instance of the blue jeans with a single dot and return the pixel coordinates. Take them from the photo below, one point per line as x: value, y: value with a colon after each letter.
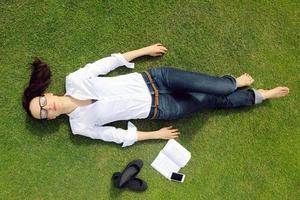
x: 183, y: 93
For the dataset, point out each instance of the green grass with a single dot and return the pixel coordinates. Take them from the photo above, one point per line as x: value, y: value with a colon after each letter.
x: 251, y: 153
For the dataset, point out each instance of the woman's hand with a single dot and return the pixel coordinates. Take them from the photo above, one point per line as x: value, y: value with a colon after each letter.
x: 167, y: 133
x: 155, y: 50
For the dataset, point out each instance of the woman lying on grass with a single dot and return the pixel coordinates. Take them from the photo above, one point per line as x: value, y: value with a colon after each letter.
x: 165, y: 93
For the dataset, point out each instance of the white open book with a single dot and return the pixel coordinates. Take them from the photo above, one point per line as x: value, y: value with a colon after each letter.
x: 171, y: 158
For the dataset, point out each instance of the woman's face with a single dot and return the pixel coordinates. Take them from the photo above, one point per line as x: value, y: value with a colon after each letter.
x: 47, y: 106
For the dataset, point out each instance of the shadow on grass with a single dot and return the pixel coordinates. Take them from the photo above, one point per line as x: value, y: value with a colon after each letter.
x: 42, y: 128
x: 85, y: 141
x: 192, y: 125
x: 115, y: 192
x: 236, y: 111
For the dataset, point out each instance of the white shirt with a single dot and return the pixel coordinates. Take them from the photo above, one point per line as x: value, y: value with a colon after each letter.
x: 118, y: 98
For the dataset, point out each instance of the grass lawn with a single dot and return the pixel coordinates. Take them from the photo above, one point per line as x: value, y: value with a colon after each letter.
x: 250, y: 153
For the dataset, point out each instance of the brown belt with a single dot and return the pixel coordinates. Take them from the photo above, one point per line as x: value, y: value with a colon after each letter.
x: 156, y: 94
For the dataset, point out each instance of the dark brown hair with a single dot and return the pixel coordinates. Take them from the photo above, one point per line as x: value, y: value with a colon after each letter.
x: 39, y: 82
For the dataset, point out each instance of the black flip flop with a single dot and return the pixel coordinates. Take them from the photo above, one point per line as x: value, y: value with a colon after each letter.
x: 130, y: 171
x: 116, y: 179
x: 134, y: 184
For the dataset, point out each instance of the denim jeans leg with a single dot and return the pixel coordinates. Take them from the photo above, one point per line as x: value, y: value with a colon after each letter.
x: 176, y: 80
x: 178, y: 105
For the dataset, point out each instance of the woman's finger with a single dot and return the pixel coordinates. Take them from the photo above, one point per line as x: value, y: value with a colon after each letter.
x: 172, y: 133
x: 164, y: 48
x: 176, y: 133
x: 161, y: 48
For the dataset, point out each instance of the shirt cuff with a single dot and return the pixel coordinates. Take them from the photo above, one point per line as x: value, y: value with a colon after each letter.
x: 122, y: 60
x: 131, y: 136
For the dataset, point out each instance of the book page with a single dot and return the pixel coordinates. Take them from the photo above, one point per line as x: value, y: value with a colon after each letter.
x: 177, y: 153
x: 164, y: 165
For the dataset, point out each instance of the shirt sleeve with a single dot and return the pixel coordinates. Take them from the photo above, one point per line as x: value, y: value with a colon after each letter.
x: 111, y: 134
x: 102, y: 66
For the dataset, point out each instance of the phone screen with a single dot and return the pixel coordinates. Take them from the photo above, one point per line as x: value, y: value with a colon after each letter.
x: 177, y: 177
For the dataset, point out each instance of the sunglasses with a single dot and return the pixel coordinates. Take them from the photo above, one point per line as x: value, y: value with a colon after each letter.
x: 43, y: 103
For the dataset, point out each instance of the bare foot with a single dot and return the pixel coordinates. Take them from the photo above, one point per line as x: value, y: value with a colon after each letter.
x: 244, y: 80
x: 274, y: 93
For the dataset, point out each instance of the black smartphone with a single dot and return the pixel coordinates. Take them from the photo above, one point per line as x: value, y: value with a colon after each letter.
x: 177, y: 177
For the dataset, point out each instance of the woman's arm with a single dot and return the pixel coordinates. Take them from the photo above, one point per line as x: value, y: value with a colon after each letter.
x: 164, y: 133
x: 153, y: 50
